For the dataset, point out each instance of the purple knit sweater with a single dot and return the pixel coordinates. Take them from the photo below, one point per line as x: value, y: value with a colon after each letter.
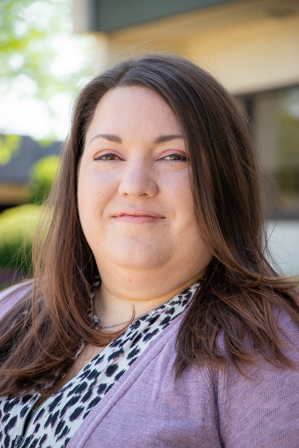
x: 204, y: 408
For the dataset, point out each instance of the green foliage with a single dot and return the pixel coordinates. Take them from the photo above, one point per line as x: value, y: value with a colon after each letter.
x: 28, y: 46
x: 9, y: 145
x: 17, y: 228
x: 46, y: 141
x: 18, y: 224
x: 41, y: 178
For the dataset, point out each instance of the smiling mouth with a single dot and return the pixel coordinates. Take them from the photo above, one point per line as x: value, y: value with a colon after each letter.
x: 137, y: 216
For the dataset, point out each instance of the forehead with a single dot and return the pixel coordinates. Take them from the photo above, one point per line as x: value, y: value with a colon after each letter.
x: 133, y: 109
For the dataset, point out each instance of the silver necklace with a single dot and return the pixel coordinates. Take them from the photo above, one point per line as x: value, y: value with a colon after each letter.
x: 138, y: 317
x: 116, y: 325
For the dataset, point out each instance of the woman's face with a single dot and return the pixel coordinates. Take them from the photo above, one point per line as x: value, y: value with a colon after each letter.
x: 134, y: 194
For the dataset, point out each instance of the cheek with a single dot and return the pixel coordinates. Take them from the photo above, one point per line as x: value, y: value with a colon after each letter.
x: 95, y: 192
x: 180, y: 192
x: 84, y: 188
x: 88, y: 198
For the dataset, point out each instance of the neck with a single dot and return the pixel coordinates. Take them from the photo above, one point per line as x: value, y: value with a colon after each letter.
x: 117, y: 302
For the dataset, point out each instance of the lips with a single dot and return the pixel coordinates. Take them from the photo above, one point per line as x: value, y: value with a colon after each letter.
x: 137, y: 216
x: 138, y: 212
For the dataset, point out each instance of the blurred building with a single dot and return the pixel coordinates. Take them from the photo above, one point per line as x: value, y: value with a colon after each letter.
x: 14, y: 175
x: 250, y: 46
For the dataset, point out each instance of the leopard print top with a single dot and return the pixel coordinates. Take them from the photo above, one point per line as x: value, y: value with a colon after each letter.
x: 57, y: 419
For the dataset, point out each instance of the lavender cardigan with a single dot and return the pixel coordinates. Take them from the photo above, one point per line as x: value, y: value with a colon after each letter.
x: 204, y: 408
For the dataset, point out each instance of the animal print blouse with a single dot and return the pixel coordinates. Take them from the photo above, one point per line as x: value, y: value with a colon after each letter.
x: 57, y: 419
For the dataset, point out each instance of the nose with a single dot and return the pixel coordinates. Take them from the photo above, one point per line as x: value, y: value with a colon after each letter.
x: 138, y: 181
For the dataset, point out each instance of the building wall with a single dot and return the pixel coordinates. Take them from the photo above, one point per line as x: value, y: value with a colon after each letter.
x: 15, y: 174
x: 262, y: 54
x: 248, y: 45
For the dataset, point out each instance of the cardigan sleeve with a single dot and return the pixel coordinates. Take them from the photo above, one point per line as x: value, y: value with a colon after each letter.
x: 262, y: 410
x: 10, y: 296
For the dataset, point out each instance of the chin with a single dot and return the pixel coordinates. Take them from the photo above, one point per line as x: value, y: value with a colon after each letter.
x: 139, y: 262
x: 136, y: 252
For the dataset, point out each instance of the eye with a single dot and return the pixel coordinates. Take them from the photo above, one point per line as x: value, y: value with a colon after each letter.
x: 175, y: 157
x: 108, y: 156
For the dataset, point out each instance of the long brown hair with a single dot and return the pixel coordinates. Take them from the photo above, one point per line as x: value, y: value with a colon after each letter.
x: 42, y: 333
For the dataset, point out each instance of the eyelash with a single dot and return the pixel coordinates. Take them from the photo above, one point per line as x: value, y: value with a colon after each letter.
x: 175, y: 157
x: 110, y: 156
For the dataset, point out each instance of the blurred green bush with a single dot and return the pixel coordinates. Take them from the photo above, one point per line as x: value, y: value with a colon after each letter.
x: 41, y: 178
x: 17, y: 228
x: 18, y: 224
x: 9, y: 146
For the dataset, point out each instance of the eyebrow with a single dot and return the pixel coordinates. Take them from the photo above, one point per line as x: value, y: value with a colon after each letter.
x: 116, y: 139
x: 167, y: 138
x: 109, y: 137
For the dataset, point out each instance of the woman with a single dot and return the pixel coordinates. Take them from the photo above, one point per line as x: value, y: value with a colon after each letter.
x: 154, y: 318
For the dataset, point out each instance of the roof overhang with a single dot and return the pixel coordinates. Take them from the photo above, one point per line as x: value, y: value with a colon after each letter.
x: 106, y: 16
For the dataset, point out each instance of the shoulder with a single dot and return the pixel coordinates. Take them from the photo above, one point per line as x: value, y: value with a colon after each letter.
x: 10, y: 296
x: 288, y: 327
x: 264, y: 402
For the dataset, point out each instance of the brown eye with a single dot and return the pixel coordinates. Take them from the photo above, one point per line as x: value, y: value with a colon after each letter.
x: 175, y: 158
x: 107, y: 157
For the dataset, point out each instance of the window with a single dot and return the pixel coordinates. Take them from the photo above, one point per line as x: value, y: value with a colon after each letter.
x: 275, y: 119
